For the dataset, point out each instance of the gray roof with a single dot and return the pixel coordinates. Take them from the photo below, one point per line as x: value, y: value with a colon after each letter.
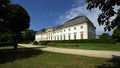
x: 75, y: 21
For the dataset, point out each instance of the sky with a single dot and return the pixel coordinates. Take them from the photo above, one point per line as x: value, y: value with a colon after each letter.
x: 50, y: 13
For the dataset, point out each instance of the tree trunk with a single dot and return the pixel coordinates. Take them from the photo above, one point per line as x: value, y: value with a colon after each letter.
x: 15, y: 40
x: 15, y: 45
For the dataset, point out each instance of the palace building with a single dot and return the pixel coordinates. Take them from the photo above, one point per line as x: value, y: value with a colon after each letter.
x: 77, y: 28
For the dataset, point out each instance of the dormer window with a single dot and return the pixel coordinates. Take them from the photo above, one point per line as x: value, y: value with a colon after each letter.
x: 81, y: 27
x: 68, y: 29
x: 74, y: 28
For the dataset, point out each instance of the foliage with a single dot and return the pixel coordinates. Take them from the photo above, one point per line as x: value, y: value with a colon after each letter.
x: 35, y: 43
x: 6, y: 44
x: 28, y: 35
x: 44, y: 42
x: 105, y: 36
x: 116, y: 35
x: 3, y: 11
x: 6, y: 37
x: 107, y: 8
x: 116, y: 21
x: 14, y: 18
x: 3, y: 14
x: 18, y: 18
x: 63, y: 44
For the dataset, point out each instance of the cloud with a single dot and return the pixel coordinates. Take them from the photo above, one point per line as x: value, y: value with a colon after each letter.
x: 79, y: 9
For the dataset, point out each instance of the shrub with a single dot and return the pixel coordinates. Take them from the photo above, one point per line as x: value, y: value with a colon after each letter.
x: 6, y: 43
x: 35, y: 43
x: 26, y: 42
x: 43, y: 42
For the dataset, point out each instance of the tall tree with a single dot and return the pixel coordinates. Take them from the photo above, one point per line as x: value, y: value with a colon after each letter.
x: 13, y: 18
x: 107, y: 8
x: 105, y: 36
x: 29, y: 35
x: 116, y: 21
x: 3, y: 12
x: 3, y: 15
x: 17, y: 21
x: 116, y: 35
x: 116, y: 32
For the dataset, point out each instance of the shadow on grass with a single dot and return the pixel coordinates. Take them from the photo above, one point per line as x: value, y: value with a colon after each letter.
x: 10, y: 55
x: 115, y: 63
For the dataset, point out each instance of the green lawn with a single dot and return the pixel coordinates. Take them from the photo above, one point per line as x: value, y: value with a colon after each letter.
x: 29, y: 58
x: 89, y: 46
x: 115, y: 47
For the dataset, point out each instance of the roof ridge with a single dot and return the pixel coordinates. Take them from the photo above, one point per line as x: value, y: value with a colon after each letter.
x: 74, y: 18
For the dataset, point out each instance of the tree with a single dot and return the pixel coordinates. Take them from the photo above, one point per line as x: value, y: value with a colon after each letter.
x: 17, y: 21
x: 29, y: 35
x: 116, y: 21
x: 3, y: 12
x: 105, y: 36
x: 116, y: 32
x: 3, y: 15
x: 107, y: 8
x: 116, y: 35
x: 14, y: 18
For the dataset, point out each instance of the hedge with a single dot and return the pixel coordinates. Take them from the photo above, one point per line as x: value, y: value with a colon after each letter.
x: 44, y: 42
x: 111, y: 41
x: 6, y: 44
x: 64, y: 44
x: 35, y: 43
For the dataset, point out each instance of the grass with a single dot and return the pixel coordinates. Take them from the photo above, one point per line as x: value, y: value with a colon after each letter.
x: 29, y: 58
x: 96, y: 46
x: 88, y: 46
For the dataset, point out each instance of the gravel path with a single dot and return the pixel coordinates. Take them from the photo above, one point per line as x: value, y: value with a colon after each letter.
x: 91, y: 53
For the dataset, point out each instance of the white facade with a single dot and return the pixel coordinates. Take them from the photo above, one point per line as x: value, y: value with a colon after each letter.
x: 74, y: 29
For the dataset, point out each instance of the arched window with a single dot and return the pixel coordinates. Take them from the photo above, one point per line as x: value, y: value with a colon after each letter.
x: 69, y: 36
x: 75, y: 34
x: 81, y: 35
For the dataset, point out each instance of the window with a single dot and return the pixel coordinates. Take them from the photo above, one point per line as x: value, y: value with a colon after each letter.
x: 75, y: 35
x: 61, y: 37
x: 81, y: 35
x: 68, y: 29
x: 81, y: 27
x: 51, y: 37
x: 69, y: 36
x: 58, y: 37
x: 64, y: 36
x: 55, y: 37
x: 74, y: 28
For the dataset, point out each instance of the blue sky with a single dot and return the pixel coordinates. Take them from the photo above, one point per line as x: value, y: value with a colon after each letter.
x: 49, y: 13
x: 44, y: 13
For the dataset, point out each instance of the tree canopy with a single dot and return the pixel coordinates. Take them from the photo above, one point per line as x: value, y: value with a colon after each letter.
x: 116, y: 35
x: 28, y: 35
x: 105, y: 36
x: 18, y: 18
x: 3, y: 12
x: 13, y: 18
x: 107, y: 8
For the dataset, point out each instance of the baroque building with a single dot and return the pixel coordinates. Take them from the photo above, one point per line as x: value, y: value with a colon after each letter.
x: 77, y: 28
